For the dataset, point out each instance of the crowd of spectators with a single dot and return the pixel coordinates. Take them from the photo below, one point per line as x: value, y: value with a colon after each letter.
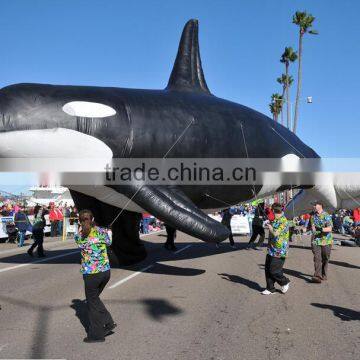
x: 150, y: 223
x: 59, y: 215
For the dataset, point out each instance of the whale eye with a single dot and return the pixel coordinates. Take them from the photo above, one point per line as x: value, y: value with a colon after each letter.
x: 88, y: 109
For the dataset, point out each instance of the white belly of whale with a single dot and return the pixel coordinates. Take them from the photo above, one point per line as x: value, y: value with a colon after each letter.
x: 64, y: 144
x: 58, y: 143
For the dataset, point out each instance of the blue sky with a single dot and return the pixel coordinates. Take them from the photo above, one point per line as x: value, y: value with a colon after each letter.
x: 118, y: 43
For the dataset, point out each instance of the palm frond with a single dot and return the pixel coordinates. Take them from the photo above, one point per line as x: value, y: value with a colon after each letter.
x: 289, y: 55
x: 304, y: 21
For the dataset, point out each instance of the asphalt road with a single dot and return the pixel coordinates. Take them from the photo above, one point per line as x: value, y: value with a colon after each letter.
x: 198, y: 303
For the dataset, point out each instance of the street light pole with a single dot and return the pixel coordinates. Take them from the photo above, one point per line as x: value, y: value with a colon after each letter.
x: 288, y: 194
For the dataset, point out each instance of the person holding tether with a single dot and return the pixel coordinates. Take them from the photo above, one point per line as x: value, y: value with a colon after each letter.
x: 95, y: 267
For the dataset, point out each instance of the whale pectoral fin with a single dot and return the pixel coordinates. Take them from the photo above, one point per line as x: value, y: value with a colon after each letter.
x: 171, y: 205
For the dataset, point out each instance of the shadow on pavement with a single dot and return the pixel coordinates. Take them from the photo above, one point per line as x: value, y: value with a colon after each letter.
x: 240, y: 280
x: 25, y: 258
x: 81, y: 312
x: 163, y: 269
x: 340, y: 312
x: 298, y: 274
x: 344, y: 264
x: 156, y: 253
x: 75, y: 259
x: 158, y: 309
x: 40, y: 327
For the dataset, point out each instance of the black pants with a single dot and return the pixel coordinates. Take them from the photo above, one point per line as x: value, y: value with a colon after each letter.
x: 274, y: 272
x: 231, y: 238
x: 257, y: 230
x: 38, y: 235
x: 321, y: 259
x: 54, y: 228
x: 98, y: 315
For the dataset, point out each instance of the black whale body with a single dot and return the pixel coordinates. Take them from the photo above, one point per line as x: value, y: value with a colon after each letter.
x: 147, y: 124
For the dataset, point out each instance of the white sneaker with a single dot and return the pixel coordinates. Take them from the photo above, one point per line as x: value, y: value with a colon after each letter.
x: 266, y: 292
x: 285, y: 288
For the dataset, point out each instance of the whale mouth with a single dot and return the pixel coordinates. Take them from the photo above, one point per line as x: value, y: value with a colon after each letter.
x: 52, y: 143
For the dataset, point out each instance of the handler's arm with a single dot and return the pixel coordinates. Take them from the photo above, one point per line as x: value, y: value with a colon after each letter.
x: 329, y: 225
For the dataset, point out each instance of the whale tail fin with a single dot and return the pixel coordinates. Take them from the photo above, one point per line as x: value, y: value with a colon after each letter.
x: 187, y: 73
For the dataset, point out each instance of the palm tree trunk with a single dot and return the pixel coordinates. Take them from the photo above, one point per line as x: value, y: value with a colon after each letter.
x: 298, y: 84
x: 288, y: 115
x: 282, y: 106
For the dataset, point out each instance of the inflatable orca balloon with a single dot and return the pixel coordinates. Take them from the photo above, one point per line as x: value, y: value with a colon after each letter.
x: 52, y: 120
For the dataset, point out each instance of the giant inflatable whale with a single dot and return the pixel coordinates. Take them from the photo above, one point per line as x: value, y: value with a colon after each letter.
x: 53, y: 120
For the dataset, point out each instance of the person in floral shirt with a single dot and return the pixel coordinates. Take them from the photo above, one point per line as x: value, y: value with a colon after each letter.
x: 95, y: 267
x: 322, y: 240
x: 277, y: 252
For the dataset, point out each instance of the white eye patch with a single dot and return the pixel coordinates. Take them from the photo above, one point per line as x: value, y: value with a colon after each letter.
x: 290, y: 162
x: 88, y: 109
x: 290, y: 157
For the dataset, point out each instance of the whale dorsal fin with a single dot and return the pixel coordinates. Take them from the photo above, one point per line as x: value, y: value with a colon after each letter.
x: 187, y: 73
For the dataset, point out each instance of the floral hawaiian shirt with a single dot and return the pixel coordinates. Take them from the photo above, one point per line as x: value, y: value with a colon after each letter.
x: 93, y: 251
x: 278, y: 242
x: 321, y: 221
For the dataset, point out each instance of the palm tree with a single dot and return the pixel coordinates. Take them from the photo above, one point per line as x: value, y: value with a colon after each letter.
x: 272, y: 110
x: 285, y: 81
x: 276, y: 105
x: 282, y: 81
x: 305, y: 23
x: 288, y: 56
